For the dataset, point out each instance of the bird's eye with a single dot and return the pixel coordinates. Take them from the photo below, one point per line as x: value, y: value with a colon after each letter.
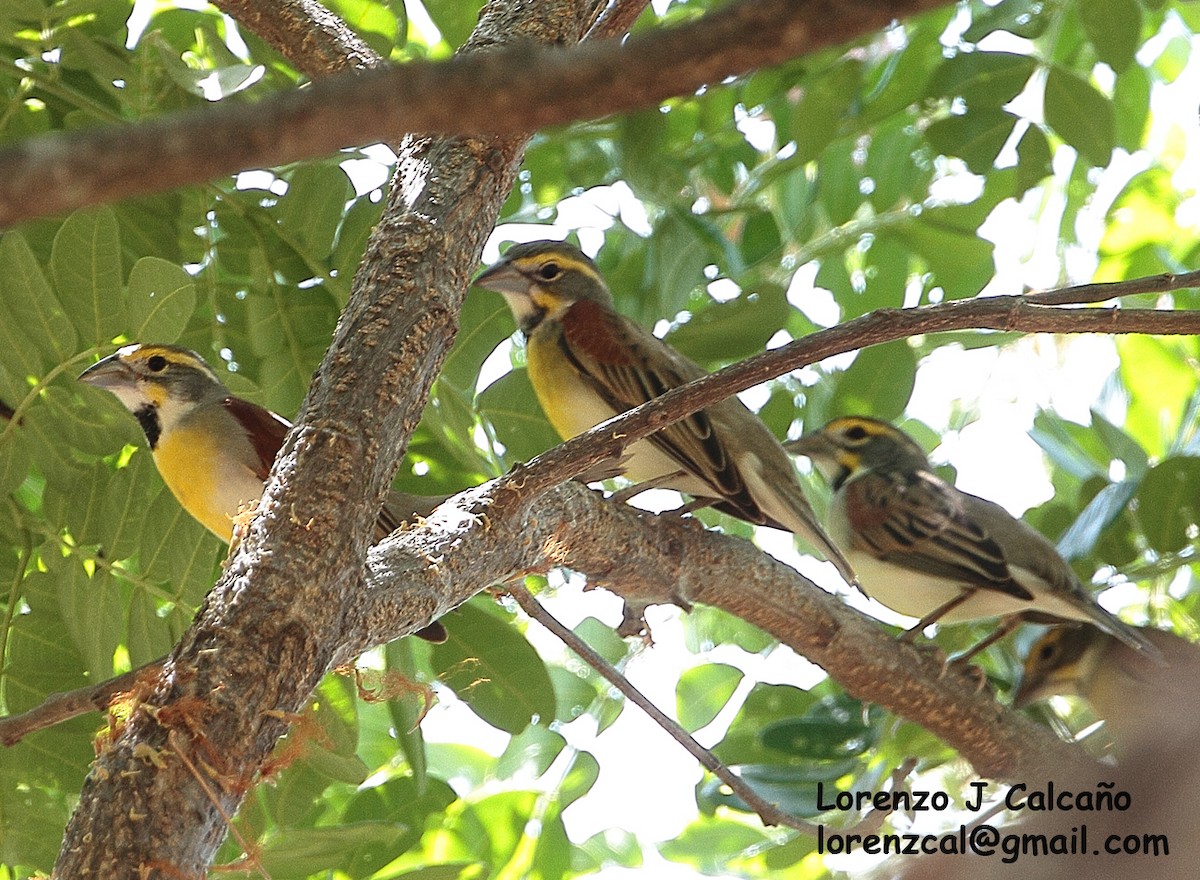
x: 157, y: 363
x: 549, y: 271
x: 1046, y: 653
x: 857, y: 432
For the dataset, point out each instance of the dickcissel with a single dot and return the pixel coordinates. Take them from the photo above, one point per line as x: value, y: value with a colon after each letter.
x: 1137, y: 698
x: 214, y: 450
x: 587, y: 363
x: 931, y: 551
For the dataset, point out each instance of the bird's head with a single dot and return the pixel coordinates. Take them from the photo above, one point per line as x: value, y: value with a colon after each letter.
x: 158, y: 383
x: 852, y: 445
x: 542, y: 278
x: 1059, y: 662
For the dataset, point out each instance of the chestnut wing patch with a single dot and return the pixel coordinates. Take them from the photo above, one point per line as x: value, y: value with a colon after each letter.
x: 627, y: 366
x: 914, y: 520
x: 264, y: 429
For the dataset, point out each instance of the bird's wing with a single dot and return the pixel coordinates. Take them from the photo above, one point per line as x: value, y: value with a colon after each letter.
x: 1030, y: 550
x: 917, y: 521
x: 264, y: 429
x: 628, y: 366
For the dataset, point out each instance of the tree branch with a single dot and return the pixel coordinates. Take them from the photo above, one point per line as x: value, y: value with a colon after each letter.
x: 608, y: 440
x: 314, y: 40
x: 270, y: 627
x: 508, y: 91
x: 499, y: 531
x: 1103, y: 292
x: 769, y: 813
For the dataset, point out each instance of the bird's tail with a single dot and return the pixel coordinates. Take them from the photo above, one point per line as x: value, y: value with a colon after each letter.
x: 793, y: 512
x: 1127, y: 633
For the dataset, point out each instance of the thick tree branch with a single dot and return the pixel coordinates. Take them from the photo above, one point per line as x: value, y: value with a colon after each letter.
x: 269, y: 629
x: 509, y: 91
x: 314, y: 40
x: 496, y: 532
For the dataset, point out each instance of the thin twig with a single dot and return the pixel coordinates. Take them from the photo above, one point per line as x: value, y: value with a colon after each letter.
x: 768, y: 812
x: 1104, y: 291
x: 58, y: 708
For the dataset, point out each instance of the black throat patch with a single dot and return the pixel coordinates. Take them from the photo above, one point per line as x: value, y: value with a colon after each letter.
x: 147, y: 417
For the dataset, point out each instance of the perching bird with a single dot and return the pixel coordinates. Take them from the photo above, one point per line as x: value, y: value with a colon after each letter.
x: 930, y: 551
x: 1137, y: 698
x: 214, y: 450
x: 587, y: 363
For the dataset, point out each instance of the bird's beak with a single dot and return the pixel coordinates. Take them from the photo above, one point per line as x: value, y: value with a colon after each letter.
x: 815, y: 445
x: 503, y: 278
x: 109, y: 374
x: 1032, y: 690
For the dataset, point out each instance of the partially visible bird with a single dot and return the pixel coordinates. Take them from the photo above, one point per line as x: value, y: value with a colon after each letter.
x: 1138, y: 699
x: 214, y: 450
x: 588, y: 363
x: 931, y: 551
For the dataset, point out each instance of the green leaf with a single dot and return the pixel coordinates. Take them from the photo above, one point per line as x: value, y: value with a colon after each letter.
x: 494, y: 670
x: 300, y: 852
x: 893, y: 168
x: 878, y: 383
x: 733, y: 330
x: 1080, y: 115
x: 602, y: 639
x: 530, y: 752
x: 709, y: 844
x: 1168, y: 503
x: 839, y: 182
x: 94, y: 613
x: 573, y: 693
x: 1131, y: 100
x: 985, y: 80
x: 310, y: 212
x: 1108, y: 504
x: 1024, y: 18
x: 406, y: 709
x: 86, y: 265
x: 36, y: 332
x: 705, y: 627
x: 1114, y: 28
x: 830, y: 730
x: 162, y: 298
x: 397, y: 801
x: 766, y: 704
x: 484, y: 322
x: 1033, y: 158
x: 976, y: 137
x: 825, y: 107
x: 702, y: 693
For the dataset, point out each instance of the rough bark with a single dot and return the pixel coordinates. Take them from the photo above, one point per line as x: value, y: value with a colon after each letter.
x: 498, y: 532
x: 156, y: 803
x: 507, y: 91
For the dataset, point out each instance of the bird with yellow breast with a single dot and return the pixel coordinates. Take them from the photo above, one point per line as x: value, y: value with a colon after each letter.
x: 588, y: 363
x: 214, y: 450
